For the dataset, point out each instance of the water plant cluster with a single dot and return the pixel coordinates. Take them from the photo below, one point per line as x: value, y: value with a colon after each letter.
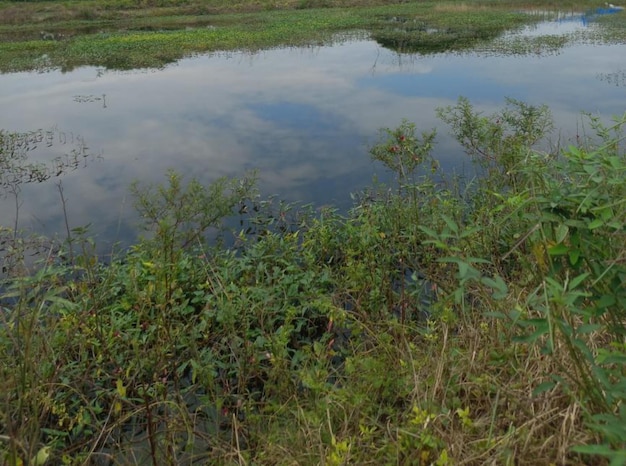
x: 122, y: 34
x: 437, y: 322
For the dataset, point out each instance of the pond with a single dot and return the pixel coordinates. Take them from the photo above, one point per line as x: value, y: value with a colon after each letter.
x: 304, y: 118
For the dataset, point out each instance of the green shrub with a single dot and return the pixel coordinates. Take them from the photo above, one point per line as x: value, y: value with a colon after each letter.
x: 430, y: 324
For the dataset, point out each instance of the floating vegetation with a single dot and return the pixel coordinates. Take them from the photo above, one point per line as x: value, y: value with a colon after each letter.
x: 438, y: 35
x: 91, y: 98
x: 524, y: 45
x: 593, y: 26
x: 617, y: 78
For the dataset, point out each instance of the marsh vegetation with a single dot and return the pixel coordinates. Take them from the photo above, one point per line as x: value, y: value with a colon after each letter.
x: 433, y: 324
x: 439, y: 320
x: 123, y: 35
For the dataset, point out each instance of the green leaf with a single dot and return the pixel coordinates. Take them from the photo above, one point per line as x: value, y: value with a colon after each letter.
x: 574, y: 255
x: 465, y: 260
x: 558, y: 250
x: 477, y: 260
x: 573, y: 150
x: 590, y: 169
x: 544, y: 387
x: 616, y: 162
x: 588, y: 328
x: 55, y: 433
x: 437, y: 243
x: 498, y: 285
x: 429, y: 232
x: 470, y: 231
x: 598, y: 222
x: 574, y: 282
x: 561, y: 233
x: 463, y: 269
x: 611, y: 358
x: 534, y: 336
x: 451, y: 223
x: 605, y: 301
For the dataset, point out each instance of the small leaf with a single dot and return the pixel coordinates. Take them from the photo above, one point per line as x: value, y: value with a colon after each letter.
x: 598, y: 222
x: 541, y: 331
x: 117, y: 407
x: 577, y: 280
x: 498, y: 286
x: 588, y: 328
x: 611, y: 358
x: 451, y: 223
x: 605, y: 301
x: 616, y: 162
x: 573, y: 150
x: 561, y: 233
x: 544, y: 387
x: 558, y: 250
x: 429, y: 232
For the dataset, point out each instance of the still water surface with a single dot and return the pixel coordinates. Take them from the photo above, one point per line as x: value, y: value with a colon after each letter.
x: 304, y: 118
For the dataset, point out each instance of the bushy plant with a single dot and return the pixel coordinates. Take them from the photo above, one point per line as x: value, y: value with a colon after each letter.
x: 569, y: 211
x: 430, y: 324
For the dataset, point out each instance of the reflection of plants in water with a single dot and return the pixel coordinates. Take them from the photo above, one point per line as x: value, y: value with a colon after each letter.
x: 617, y: 78
x: 16, y: 168
x: 91, y: 98
x: 14, y: 250
x: 438, y: 35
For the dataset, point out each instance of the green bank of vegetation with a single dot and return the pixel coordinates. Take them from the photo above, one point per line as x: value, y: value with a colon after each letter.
x: 123, y: 34
x: 435, y: 323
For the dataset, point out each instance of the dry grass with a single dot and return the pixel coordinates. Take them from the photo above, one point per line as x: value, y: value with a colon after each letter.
x: 455, y: 369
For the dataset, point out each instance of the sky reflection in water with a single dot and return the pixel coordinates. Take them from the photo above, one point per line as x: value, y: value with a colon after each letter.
x: 303, y: 117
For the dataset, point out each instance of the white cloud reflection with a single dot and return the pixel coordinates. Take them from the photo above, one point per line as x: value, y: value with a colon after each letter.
x: 303, y: 117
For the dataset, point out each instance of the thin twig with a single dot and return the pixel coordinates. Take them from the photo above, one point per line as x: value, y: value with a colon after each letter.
x: 67, y: 224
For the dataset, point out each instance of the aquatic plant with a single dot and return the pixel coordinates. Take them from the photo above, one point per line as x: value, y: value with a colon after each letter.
x: 121, y: 35
x: 435, y: 323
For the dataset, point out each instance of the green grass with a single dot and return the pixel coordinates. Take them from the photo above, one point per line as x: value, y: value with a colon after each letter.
x: 435, y: 323
x: 124, y: 35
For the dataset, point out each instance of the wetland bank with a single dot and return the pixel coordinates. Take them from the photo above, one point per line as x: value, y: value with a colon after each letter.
x: 468, y: 311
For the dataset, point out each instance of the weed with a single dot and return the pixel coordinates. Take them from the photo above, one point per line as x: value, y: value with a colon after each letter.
x: 429, y: 325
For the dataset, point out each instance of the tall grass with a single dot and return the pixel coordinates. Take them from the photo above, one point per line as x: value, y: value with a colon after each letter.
x: 433, y: 324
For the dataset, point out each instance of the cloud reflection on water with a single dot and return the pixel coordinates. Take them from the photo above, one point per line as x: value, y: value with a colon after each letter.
x: 303, y: 117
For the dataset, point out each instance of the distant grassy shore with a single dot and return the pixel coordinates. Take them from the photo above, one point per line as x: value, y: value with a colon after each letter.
x: 125, y: 34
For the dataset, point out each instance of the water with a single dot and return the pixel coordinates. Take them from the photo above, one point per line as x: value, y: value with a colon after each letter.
x: 304, y: 118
